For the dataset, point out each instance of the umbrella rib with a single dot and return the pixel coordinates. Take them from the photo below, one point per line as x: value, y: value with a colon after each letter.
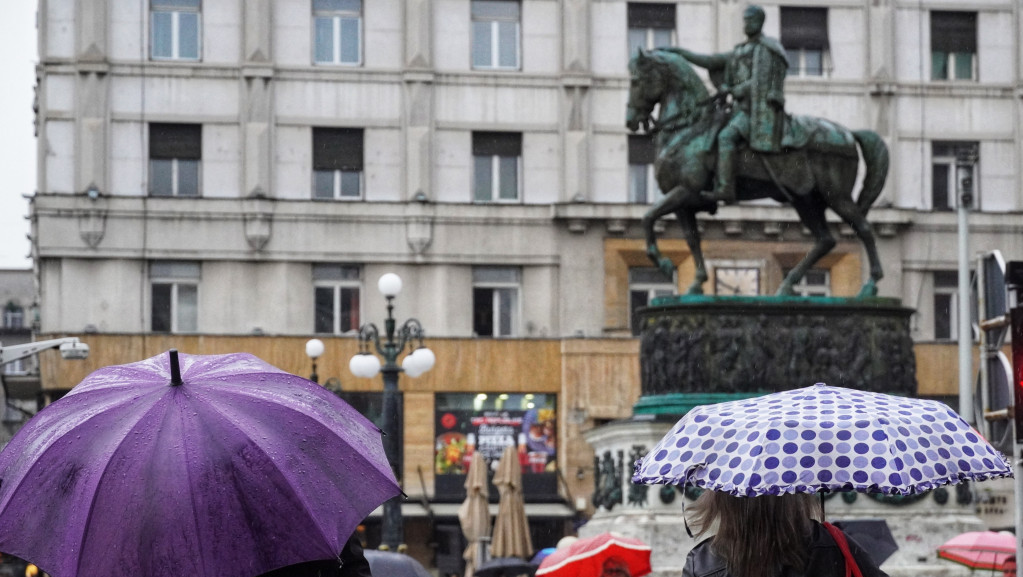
x: 305, y: 504
x: 301, y: 415
x: 102, y: 475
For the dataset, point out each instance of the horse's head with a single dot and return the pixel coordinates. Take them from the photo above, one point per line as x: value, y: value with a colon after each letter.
x: 645, y: 91
x: 665, y: 77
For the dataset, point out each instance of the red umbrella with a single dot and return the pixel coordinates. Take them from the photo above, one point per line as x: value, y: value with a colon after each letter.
x: 586, y: 557
x: 980, y: 549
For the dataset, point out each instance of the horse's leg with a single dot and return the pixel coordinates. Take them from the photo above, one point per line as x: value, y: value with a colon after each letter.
x: 848, y: 211
x: 811, y: 213
x: 691, y: 231
x: 664, y: 206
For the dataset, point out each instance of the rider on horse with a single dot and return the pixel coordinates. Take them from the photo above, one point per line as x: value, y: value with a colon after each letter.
x: 754, y: 74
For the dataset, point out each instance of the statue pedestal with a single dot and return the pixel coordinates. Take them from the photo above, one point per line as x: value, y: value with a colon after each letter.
x: 700, y: 350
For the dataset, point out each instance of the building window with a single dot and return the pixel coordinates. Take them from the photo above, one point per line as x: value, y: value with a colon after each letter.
x: 175, y: 296
x: 642, y: 181
x: 337, y: 163
x: 815, y: 283
x: 175, y: 155
x: 496, y: 164
x: 944, y: 181
x: 953, y: 45
x: 946, y: 305
x: 16, y: 367
x: 650, y: 26
x: 495, y: 301
x: 175, y: 30
x: 495, y: 34
x: 804, y: 34
x: 336, y: 290
x: 14, y: 316
x: 645, y: 284
x: 338, y: 29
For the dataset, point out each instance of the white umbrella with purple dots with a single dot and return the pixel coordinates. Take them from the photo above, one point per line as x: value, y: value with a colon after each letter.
x: 821, y: 438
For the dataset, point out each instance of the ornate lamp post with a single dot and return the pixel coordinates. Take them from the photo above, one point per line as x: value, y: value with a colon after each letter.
x: 313, y: 350
x: 419, y: 360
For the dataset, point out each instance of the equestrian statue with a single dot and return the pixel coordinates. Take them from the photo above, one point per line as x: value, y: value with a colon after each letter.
x: 741, y: 145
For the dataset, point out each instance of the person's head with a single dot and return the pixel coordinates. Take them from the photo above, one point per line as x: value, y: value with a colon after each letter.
x: 757, y: 536
x: 753, y: 20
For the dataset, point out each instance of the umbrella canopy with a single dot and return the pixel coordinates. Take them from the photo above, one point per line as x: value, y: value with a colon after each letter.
x: 821, y: 438
x: 474, y: 513
x: 506, y: 567
x: 511, y: 529
x: 980, y: 549
x: 224, y: 465
x: 586, y: 557
x: 872, y: 535
x: 394, y: 564
x: 542, y: 554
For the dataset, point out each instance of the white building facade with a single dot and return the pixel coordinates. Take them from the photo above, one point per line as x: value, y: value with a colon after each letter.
x: 297, y: 146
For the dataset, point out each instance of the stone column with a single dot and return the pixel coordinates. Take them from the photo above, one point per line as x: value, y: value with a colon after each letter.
x: 576, y: 81
x: 91, y: 132
x: 257, y: 99
x: 418, y: 97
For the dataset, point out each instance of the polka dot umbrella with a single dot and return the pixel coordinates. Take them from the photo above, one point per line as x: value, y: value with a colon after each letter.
x: 821, y: 438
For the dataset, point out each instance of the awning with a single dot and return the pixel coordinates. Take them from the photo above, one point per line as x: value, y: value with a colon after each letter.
x: 533, y: 510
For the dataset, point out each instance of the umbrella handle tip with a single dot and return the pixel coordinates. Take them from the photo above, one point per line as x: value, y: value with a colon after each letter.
x: 175, y: 368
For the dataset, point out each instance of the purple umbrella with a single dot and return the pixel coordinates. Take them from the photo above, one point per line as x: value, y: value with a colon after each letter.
x: 227, y: 466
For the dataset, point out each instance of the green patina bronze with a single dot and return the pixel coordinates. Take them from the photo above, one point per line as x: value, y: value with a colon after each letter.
x: 809, y: 163
x: 696, y: 350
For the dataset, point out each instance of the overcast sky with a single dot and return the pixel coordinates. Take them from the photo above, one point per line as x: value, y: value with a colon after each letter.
x: 17, y: 144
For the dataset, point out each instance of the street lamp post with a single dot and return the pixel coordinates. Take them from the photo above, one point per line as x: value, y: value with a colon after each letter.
x: 367, y: 365
x: 313, y: 350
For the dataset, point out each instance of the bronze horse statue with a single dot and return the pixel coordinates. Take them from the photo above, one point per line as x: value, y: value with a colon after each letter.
x: 817, y: 169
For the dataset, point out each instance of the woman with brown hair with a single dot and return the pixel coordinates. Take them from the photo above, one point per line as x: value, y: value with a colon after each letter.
x: 771, y: 536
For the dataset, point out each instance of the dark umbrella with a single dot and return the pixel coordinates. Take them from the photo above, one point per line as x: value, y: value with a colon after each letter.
x: 391, y: 564
x: 505, y: 567
x: 224, y: 465
x: 872, y: 535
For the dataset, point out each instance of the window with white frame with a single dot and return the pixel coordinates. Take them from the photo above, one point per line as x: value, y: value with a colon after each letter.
x: 16, y: 367
x: 175, y: 296
x: 642, y: 181
x: 14, y: 316
x: 804, y: 34
x: 496, y: 166
x: 944, y: 177
x: 337, y: 28
x: 953, y: 45
x: 645, y: 284
x: 650, y: 26
x: 337, y: 163
x: 495, y: 301
x: 336, y: 295
x: 495, y: 34
x: 175, y: 157
x: 175, y: 29
x: 946, y: 305
x: 815, y: 283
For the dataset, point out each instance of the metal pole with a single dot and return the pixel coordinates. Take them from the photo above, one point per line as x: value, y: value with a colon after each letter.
x: 1017, y: 463
x: 985, y: 352
x: 393, y: 530
x: 964, y: 187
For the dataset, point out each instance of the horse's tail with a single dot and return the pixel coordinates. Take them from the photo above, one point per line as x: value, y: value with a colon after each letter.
x: 875, y: 154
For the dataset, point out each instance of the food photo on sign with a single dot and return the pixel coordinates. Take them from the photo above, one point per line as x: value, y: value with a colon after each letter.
x: 466, y: 424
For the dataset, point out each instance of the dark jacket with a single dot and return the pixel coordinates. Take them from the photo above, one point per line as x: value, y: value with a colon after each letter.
x: 353, y: 563
x: 826, y: 560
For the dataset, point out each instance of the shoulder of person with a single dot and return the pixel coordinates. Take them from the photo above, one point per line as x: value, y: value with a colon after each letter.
x: 703, y: 562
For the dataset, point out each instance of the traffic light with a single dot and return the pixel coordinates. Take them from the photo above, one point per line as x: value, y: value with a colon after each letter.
x: 1016, y: 317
